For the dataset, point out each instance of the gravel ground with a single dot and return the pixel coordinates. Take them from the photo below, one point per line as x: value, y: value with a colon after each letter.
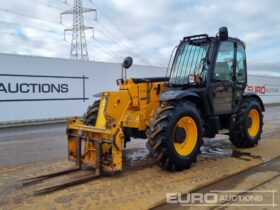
x: 140, y: 188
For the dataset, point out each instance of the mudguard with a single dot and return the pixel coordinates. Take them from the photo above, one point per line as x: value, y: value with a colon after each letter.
x: 254, y: 95
x: 176, y: 94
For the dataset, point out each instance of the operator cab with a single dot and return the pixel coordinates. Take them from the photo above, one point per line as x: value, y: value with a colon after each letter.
x: 195, y: 53
x: 211, y: 66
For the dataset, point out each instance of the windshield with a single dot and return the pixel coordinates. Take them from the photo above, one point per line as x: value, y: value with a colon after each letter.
x: 189, y: 59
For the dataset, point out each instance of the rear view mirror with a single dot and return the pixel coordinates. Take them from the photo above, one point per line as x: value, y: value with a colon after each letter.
x: 127, y: 62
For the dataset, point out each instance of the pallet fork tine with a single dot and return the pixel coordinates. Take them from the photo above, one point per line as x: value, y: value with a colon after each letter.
x: 47, y: 176
x: 65, y: 185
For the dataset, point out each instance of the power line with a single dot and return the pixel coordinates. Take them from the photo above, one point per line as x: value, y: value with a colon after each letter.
x: 120, y: 43
x: 20, y: 25
x: 110, y: 53
x: 111, y: 39
x: 120, y: 32
x: 38, y: 37
x: 48, y: 5
x: 103, y: 49
x: 29, y: 16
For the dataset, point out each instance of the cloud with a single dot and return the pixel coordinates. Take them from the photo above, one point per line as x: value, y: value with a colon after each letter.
x: 21, y: 33
x: 147, y: 30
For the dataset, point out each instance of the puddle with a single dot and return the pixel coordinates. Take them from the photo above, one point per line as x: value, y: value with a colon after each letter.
x: 136, y: 158
x: 136, y: 154
x: 244, y: 155
x: 221, y: 147
x: 216, y: 148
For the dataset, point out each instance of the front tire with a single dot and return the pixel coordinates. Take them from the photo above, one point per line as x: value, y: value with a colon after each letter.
x: 175, y: 135
x: 90, y: 116
x: 249, y: 123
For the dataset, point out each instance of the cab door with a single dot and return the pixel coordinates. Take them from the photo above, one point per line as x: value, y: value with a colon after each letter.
x: 222, y: 85
x: 241, y: 73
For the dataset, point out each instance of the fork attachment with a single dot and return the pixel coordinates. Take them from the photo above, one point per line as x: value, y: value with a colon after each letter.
x: 100, y: 146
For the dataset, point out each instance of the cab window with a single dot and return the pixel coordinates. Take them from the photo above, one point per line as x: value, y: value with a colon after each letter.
x: 224, y: 64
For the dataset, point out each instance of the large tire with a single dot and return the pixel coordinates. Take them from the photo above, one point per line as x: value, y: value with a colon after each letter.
x: 175, y: 135
x: 90, y: 116
x: 249, y: 123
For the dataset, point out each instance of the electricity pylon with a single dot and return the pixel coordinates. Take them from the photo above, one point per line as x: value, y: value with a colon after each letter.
x: 79, y: 43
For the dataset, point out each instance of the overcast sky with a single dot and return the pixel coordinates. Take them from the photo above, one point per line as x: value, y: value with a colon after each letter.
x: 146, y: 29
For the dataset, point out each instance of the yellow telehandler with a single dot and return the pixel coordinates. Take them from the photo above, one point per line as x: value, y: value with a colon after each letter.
x: 203, y: 94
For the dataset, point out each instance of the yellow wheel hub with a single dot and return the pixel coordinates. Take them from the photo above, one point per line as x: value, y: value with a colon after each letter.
x: 254, y: 127
x: 186, y: 145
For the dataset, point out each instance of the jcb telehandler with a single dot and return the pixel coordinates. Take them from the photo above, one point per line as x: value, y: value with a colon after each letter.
x: 202, y: 94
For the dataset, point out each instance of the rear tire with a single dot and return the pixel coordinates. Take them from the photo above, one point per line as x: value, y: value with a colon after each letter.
x: 175, y: 135
x: 249, y: 123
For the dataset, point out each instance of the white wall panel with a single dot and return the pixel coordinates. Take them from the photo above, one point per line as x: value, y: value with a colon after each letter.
x: 34, y: 88
x: 45, y: 105
x: 268, y: 88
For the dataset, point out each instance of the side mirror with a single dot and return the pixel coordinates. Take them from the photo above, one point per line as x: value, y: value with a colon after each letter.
x: 223, y: 33
x: 127, y: 62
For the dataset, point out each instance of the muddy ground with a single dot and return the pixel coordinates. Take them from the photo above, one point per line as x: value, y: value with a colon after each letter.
x: 142, y: 185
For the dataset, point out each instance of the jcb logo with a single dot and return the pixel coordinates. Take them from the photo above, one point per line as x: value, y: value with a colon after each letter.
x: 256, y: 89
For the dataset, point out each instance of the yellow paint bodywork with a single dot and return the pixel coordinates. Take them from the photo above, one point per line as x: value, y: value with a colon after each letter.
x: 145, y: 99
x: 130, y: 107
x: 255, y: 125
x: 188, y: 144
